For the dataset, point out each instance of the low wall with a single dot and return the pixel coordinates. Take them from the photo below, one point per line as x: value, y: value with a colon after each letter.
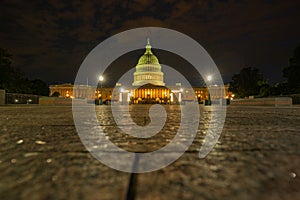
x: 272, y: 101
x: 55, y: 101
x: 2, y: 97
x: 16, y: 98
x: 295, y: 97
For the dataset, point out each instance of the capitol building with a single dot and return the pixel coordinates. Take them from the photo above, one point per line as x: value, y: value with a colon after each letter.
x: 148, y: 84
x: 148, y: 87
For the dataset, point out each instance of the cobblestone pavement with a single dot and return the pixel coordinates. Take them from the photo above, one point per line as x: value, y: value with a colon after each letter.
x: 257, y: 157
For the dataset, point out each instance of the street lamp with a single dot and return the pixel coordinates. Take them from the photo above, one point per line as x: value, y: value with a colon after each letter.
x: 100, y: 79
x: 209, y: 78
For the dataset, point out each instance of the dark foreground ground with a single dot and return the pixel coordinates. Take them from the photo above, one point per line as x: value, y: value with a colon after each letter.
x: 257, y: 157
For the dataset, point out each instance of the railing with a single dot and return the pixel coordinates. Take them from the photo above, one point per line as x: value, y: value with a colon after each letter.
x: 15, y: 98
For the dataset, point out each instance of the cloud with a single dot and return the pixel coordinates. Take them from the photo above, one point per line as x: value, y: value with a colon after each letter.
x: 140, y: 5
x: 53, y: 33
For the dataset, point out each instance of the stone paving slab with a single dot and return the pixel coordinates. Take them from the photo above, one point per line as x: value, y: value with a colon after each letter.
x: 256, y: 157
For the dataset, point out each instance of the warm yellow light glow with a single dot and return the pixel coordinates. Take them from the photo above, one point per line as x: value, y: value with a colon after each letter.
x: 101, y: 78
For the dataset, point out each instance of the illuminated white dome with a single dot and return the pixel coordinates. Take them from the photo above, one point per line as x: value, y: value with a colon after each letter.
x: 148, y: 69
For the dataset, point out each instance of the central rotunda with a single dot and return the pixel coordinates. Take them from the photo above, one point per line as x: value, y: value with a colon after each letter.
x: 148, y: 69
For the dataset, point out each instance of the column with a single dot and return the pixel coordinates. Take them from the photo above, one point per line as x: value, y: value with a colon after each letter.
x: 120, y: 97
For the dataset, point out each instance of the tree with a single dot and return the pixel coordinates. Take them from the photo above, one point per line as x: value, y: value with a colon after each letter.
x: 249, y: 82
x: 13, y: 81
x: 292, y: 72
x: 39, y: 87
x: 265, y: 90
x: 5, y: 69
x: 279, y: 89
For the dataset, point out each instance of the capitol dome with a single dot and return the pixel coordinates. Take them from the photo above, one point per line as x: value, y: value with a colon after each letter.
x: 148, y: 57
x: 148, y: 69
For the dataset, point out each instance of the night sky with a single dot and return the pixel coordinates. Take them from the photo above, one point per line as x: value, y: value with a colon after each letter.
x: 50, y: 39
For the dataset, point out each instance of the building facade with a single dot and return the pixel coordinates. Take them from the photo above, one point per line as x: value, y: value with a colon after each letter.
x: 148, y: 87
x: 80, y: 91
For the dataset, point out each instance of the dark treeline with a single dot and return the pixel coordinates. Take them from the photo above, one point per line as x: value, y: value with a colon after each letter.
x: 14, y: 81
x: 250, y: 82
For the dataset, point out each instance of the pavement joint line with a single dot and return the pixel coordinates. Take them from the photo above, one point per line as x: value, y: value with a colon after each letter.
x: 132, y: 185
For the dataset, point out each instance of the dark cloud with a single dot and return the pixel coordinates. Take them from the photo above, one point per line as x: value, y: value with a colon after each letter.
x: 49, y: 39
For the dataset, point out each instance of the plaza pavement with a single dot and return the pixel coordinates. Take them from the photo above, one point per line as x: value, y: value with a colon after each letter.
x: 256, y: 157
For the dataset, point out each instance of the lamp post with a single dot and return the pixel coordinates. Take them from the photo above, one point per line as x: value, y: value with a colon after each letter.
x: 100, y: 79
x: 209, y: 78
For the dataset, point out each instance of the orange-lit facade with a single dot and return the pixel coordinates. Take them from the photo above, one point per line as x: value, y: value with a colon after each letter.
x: 145, y: 94
x: 148, y: 87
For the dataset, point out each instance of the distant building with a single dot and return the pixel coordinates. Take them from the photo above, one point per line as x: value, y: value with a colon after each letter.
x: 79, y: 91
x: 62, y: 90
x: 148, y: 87
x: 68, y: 90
